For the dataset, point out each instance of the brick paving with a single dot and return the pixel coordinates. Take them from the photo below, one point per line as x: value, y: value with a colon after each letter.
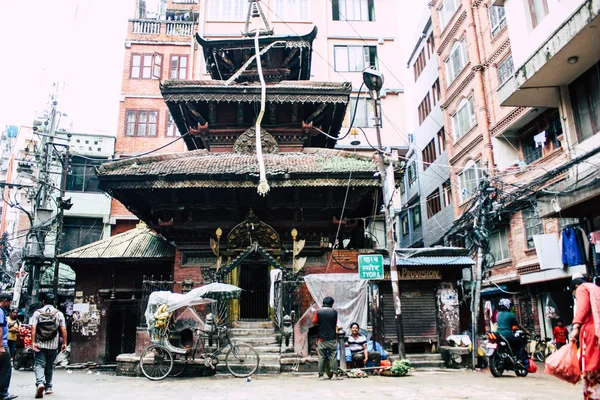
x: 423, y: 384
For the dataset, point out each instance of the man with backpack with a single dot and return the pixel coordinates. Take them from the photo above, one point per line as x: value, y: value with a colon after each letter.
x: 45, y: 326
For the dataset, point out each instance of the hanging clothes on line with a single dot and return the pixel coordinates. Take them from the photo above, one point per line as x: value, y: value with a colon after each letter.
x: 574, y: 247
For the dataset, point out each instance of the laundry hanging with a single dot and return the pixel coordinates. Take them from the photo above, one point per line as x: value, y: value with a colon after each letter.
x: 574, y: 245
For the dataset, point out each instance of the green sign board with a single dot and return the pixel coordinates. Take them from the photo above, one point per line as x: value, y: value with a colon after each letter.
x: 370, y: 266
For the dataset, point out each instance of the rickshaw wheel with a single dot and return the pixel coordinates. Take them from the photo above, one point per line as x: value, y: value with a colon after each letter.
x: 242, y: 360
x: 156, y: 362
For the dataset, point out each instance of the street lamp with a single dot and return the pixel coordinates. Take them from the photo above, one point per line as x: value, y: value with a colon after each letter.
x: 373, y: 79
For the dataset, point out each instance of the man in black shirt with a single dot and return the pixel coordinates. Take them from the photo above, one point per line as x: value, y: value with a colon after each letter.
x: 326, y: 318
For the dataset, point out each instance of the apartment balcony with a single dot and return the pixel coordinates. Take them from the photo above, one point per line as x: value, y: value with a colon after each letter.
x: 145, y: 29
x: 570, y: 50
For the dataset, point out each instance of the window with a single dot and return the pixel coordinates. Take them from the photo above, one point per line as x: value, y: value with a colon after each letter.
x: 435, y: 92
x: 178, y: 67
x: 505, y: 69
x: 469, y: 180
x: 354, y: 58
x: 364, y: 114
x: 227, y: 10
x: 77, y: 232
x: 82, y: 177
x: 429, y: 155
x: 291, y: 10
x: 424, y: 109
x: 441, y: 140
x: 430, y: 45
x: 412, y: 174
x: 457, y: 61
x: 416, y: 216
x: 353, y: 10
x: 447, y: 193
x: 141, y: 122
x: 402, y: 187
x: 419, y: 64
x: 434, y: 204
x: 497, y: 19
x: 446, y: 12
x: 533, y: 224
x: 146, y: 66
x: 585, y: 100
x: 540, y: 137
x: 171, y: 127
x: 464, y: 119
x: 499, y: 245
x: 538, y: 9
x: 405, y: 229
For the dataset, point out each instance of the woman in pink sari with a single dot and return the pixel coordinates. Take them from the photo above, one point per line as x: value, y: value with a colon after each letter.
x: 586, y: 327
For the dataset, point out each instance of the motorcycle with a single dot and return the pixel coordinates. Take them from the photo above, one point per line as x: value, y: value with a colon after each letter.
x: 501, y: 356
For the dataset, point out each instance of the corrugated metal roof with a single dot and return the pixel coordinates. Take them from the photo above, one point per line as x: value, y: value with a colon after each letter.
x: 431, y: 261
x: 139, y: 242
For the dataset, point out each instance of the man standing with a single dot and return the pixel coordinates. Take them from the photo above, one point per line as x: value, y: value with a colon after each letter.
x: 357, y: 344
x: 561, y: 334
x: 5, y: 364
x: 45, y: 325
x: 326, y: 318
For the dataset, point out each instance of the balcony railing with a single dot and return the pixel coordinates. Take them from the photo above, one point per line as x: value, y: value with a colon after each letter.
x: 168, y: 28
x: 185, y: 1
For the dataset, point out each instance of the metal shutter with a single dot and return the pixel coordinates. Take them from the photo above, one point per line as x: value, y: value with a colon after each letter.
x: 419, y: 312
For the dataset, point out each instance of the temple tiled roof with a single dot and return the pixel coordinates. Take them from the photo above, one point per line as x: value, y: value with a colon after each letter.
x: 280, y: 92
x: 139, y: 243
x: 199, y: 168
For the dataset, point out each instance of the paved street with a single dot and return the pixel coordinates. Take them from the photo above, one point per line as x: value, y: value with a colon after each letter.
x: 435, y: 384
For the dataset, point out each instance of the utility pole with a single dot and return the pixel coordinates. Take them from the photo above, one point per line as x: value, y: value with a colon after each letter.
x: 62, y: 206
x: 482, y: 239
x: 373, y: 79
x: 42, y: 214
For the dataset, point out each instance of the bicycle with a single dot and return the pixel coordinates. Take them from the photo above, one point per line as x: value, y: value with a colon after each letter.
x: 162, y: 359
x: 543, y: 348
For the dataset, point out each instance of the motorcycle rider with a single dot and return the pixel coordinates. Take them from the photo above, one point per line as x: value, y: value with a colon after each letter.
x: 506, y: 321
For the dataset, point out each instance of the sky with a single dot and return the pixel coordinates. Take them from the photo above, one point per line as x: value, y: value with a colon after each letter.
x: 78, y: 43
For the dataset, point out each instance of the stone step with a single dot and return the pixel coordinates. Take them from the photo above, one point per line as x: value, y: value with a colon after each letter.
x: 266, y: 357
x: 252, y: 324
x: 427, y: 364
x: 261, y: 349
x: 423, y: 356
x: 252, y: 332
x: 257, y: 340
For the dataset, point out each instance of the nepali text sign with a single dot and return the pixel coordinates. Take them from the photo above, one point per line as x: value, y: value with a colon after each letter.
x: 370, y: 266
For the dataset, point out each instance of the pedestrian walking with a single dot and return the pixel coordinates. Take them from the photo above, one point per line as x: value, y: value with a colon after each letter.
x: 586, y: 328
x: 5, y: 363
x: 561, y: 334
x: 327, y: 320
x: 46, y: 323
x: 13, y: 332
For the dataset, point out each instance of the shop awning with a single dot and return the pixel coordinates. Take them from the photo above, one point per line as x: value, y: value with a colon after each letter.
x: 551, y: 274
x: 493, y: 290
x: 432, y: 261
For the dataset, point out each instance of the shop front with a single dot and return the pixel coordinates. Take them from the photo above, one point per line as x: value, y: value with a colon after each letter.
x: 429, y: 297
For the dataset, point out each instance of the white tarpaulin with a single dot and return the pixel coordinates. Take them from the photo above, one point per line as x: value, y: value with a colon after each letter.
x: 349, y: 293
x: 173, y: 301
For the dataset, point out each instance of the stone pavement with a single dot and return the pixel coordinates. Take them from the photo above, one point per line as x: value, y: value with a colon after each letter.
x: 422, y: 384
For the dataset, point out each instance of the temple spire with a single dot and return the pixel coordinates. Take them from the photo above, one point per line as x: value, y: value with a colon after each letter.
x: 255, y: 11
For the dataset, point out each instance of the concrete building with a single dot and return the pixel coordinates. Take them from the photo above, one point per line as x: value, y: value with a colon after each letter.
x: 427, y: 210
x: 160, y: 45
x: 555, y: 47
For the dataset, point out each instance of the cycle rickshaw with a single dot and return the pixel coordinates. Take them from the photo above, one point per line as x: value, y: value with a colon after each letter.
x: 162, y: 359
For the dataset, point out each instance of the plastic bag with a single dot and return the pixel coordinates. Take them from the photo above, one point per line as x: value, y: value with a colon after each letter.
x: 564, y: 364
x: 532, y: 366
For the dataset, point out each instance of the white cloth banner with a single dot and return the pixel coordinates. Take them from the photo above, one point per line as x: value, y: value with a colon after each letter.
x: 548, y: 251
x: 349, y: 293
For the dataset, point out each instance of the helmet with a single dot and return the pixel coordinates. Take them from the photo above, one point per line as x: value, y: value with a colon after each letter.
x: 504, y: 304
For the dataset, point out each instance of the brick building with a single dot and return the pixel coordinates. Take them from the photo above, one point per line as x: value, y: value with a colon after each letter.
x: 492, y: 129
